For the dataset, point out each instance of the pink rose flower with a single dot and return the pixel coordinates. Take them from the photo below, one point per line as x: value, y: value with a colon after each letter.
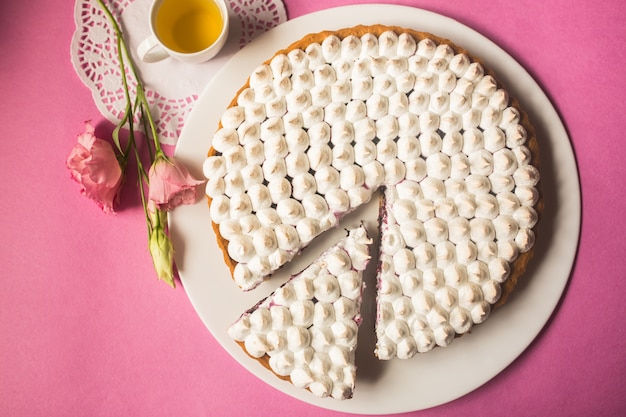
x: 93, y: 164
x: 171, y: 184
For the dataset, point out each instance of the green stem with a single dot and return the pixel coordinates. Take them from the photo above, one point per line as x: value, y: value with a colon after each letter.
x: 141, y: 103
x: 144, y: 101
x: 129, y: 111
x: 140, y: 90
x: 142, y: 116
x: 141, y: 179
x: 156, y: 222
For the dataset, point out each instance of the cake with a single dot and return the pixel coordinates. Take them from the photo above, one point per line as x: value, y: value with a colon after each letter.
x: 306, y: 331
x: 340, y: 117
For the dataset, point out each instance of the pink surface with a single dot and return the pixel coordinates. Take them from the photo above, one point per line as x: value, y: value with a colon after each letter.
x: 88, y: 330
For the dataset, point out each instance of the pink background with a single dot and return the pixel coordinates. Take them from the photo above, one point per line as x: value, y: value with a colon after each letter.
x: 86, y: 329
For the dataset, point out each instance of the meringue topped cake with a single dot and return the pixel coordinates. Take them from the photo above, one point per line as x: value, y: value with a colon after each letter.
x: 406, y: 117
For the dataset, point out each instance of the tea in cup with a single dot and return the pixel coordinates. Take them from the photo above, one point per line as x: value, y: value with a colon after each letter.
x: 191, y: 31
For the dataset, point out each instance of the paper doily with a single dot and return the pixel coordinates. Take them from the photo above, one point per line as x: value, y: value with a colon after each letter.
x: 171, y: 87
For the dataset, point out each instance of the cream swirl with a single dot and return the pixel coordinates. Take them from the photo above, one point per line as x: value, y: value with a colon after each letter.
x: 364, y: 152
x: 225, y: 138
x: 268, y: 217
x: 328, y: 178
x: 361, y: 88
x: 264, y: 241
x: 315, y: 206
x: 260, y: 197
x: 326, y: 289
x: 528, y: 196
x: 254, y: 152
x: 314, y: 55
x: 308, y: 228
x: 231, y: 119
x: 342, y: 153
x: 418, y: 102
x: 312, y: 116
x: 214, y: 167
x: 439, y: 102
x: 274, y: 168
x: 290, y: 211
x: 364, y: 130
x: 230, y: 228
x: 447, y: 81
x: 374, y: 174
x: 377, y: 106
x: 458, y: 64
x: 355, y: 111
x: 215, y: 187
x: 297, y: 163
x: 298, y: 59
x: 241, y: 248
x: 351, y: 176
x: 438, y: 165
x: 240, y: 205
x: 338, y: 200
x: 341, y: 90
x: 248, y: 132
x: 459, y: 230
x: 220, y: 209
x: 282, y: 86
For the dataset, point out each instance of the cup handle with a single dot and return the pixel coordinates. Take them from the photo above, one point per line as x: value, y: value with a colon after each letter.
x: 149, y: 50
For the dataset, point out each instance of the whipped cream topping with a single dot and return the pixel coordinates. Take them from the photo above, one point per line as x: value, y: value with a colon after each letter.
x: 308, y: 327
x: 316, y: 132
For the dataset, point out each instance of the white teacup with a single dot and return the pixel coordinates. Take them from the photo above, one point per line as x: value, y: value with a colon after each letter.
x: 191, y: 31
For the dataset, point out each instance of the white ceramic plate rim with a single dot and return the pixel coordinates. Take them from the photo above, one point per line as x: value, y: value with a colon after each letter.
x: 441, y: 375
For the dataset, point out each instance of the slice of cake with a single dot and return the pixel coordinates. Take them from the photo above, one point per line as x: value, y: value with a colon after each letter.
x: 442, y: 266
x: 306, y: 331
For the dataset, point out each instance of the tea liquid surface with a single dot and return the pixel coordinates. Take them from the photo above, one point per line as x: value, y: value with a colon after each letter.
x: 188, y: 25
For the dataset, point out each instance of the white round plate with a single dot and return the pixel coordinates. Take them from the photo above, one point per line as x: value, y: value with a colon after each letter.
x: 444, y: 374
